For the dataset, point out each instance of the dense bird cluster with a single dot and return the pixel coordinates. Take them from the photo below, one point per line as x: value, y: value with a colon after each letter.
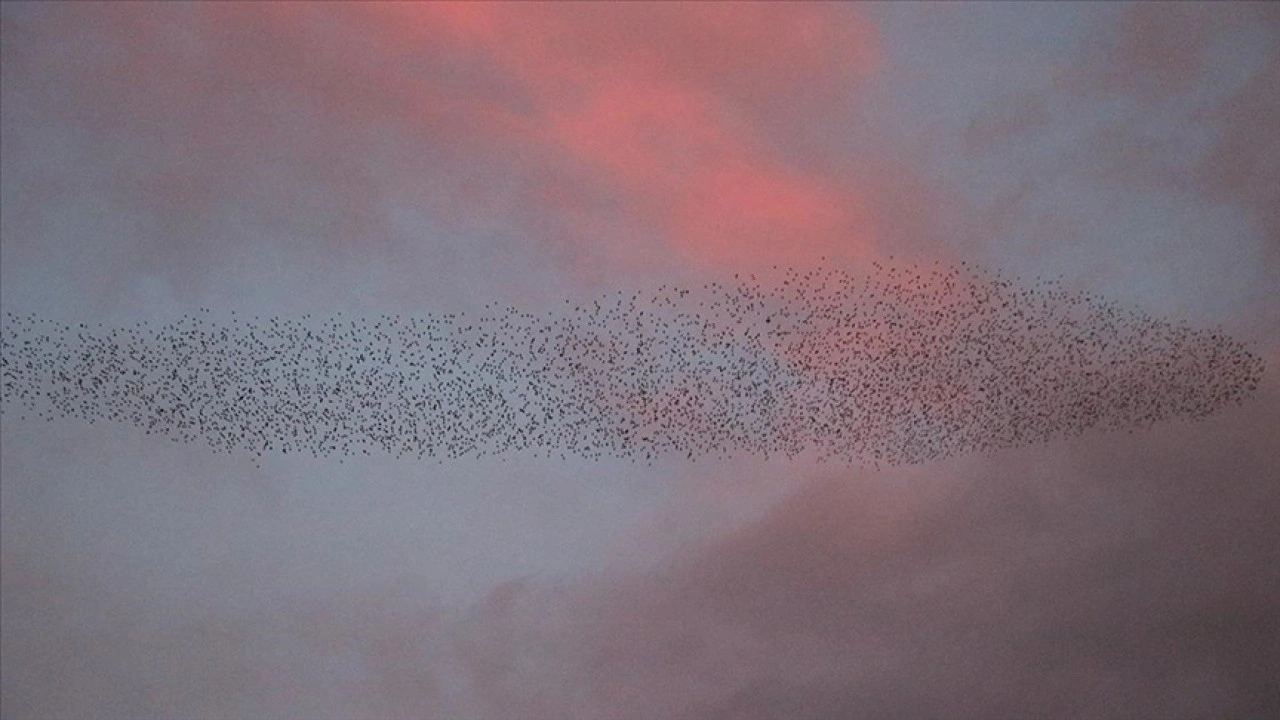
x: 892, y: 366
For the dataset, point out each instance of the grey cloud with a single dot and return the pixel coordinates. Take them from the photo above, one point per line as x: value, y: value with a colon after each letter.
x: 1112, y: 576
x: 1150, y: 147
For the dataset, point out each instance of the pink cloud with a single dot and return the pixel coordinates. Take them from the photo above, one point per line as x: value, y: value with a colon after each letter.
x: 660, y: 106
x: 610, y: 140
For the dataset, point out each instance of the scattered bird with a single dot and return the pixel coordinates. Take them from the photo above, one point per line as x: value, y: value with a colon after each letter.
x: 898, y: 366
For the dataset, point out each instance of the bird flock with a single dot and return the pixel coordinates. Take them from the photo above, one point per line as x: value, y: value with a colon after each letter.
x: 887, y: 366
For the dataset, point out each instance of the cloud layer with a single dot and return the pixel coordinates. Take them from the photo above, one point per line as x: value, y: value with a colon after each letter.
x: 1110, y: 576
x: 284, y: 159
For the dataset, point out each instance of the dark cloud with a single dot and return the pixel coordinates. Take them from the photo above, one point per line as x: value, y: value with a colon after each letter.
x: 1112, y: 576
x: 1109, y: 577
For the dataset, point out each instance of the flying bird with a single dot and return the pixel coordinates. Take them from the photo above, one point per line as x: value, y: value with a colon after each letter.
x: 898, y: 365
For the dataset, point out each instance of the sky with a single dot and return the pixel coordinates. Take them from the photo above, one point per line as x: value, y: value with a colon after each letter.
x: 286, y: 158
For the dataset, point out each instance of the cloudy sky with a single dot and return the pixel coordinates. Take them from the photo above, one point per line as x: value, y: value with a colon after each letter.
x: 285, y: 158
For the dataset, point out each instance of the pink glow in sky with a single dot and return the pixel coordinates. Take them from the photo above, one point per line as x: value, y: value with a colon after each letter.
x: 279, y: 159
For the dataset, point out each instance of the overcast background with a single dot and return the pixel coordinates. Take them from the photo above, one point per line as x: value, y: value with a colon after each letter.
x: 278, y: 158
